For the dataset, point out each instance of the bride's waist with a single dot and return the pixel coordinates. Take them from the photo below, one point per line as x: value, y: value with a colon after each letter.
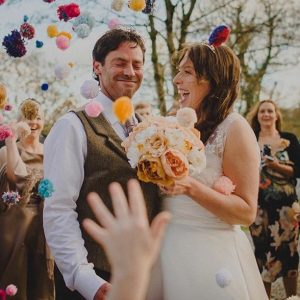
x: 186, y: 211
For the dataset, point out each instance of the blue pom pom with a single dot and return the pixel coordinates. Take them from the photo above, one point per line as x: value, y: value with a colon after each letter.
x: 45, y: 188
x: 25, y: 18
x: 39, y: 44
x: 14, y: 44
x: 44, y: 86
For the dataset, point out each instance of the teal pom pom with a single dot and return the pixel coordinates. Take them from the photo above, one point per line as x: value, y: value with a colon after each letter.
x: 45, y: 188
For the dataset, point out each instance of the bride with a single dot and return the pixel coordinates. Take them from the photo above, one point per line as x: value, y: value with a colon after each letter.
x: 205, y: 254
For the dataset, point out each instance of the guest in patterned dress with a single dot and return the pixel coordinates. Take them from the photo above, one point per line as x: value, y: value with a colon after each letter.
x: 25, y: 259
x: 275, y: 231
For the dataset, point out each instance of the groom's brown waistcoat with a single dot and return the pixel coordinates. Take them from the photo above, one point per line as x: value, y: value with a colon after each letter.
x: 106, y: 162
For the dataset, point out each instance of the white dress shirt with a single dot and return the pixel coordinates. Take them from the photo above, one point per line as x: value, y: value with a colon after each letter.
x: 64, y: 156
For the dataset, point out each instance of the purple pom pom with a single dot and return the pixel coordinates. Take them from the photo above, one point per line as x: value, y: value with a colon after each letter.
x: 219, y: 35
x: 14, y: 44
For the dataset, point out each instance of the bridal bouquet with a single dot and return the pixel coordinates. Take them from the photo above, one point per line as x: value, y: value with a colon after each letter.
x: 166, y: 148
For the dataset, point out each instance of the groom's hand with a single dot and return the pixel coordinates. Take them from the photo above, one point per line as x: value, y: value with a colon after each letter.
x: 102, y: 291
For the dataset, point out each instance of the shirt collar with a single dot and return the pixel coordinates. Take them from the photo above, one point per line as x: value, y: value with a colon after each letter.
x: 107, y: 104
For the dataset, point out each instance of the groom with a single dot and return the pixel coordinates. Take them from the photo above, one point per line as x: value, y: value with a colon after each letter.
x: 84, y: 154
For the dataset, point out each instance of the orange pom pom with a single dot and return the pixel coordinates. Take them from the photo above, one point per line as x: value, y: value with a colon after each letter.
x: 3, y: 96
x: 123, y: 109
x: 52, y: 31
x: 66, y: 34
x: 137, y: 5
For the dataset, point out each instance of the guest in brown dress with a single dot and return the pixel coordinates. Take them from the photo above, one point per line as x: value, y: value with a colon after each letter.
x: 25, y: 259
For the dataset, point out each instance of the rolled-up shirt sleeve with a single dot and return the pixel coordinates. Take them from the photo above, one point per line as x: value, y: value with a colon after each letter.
x: 64, y: 156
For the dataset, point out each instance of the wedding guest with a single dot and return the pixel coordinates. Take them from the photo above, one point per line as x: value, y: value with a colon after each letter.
x: 275, y: 231
x: 25, y: 259
x: 84, y: 154
x: 143, y: 109
x: 128, y: 229
x: 205, y: 254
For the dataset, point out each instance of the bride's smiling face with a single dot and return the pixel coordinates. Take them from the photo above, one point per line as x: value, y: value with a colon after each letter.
x: 191, y: 88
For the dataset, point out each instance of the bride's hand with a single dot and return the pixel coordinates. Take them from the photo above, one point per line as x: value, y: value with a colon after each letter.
x: 181, y: 186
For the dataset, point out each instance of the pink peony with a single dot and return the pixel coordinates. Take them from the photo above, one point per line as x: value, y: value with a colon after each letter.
x: 5, y: 132
x: 11, y: 290
x: 224, y: 185
x: 93, y: 109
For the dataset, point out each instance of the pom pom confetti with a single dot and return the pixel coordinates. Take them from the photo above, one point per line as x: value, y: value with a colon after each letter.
x: 137, y: 5
x: 52, y: 31
x: 44, y: 86
x: 93, y: 109
x: 219, y: 36
x: 14, y: 44
x: 117, y: 5
x: 123, y: 109
x: 11, y: 290
x: 89, y: 89
x: 27, y: 31
x: 45, y: 188
x: 62, y: 71
x: 3, y: 96
x: 5, y: 132
x: 39, y: 44
x: 68, y: 11
x: 62, y: 42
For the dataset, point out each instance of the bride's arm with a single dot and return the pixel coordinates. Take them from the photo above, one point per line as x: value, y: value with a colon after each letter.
x: 241, y: 165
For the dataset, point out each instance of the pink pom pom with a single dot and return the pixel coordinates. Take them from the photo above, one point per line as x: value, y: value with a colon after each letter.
x: 62, y: 42
x: 11, y: 290
x: 8, y: 107
x: 224, y: 185
x: 93, y: 109
x: 113, y: 23
x: 5, y: 132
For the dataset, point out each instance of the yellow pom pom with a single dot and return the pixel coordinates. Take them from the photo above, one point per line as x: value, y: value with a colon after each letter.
x: 66, y: 34
x: 123, y: 109
x: 52, y: 31
x: 137, y: 5
x: 3, y: 96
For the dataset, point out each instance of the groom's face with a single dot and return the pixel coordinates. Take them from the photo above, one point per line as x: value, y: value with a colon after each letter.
x: 122, y: 71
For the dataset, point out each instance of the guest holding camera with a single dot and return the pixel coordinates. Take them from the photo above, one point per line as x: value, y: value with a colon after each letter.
x: 275, y: 231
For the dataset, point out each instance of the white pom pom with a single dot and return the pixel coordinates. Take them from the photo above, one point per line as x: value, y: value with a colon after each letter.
x: 117, y: 5
x: 223, y: 278
x: 82, y: 30
x: 186, y: 117
x: 89, y: 89
x: 62, y: 71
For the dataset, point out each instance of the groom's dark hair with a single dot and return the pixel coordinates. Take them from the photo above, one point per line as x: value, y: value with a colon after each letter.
x: 111, y: 41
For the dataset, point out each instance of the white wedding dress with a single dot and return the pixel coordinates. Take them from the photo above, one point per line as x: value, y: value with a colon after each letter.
x: 202, y: 257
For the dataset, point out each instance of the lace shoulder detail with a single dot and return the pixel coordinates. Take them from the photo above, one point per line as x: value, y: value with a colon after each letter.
x: 216, y: 141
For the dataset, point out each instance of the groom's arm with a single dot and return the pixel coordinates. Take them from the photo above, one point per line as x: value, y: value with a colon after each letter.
x: 65, y: 152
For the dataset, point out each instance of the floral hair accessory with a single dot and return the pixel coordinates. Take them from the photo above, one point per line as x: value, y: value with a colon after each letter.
x: 123, y: 109
x: 5, y: 132
x: 14, y: 44
x: 224, y: 185
x: 45, y: 188
x: 29, y: 109
x: 27, y: 31
x: 10, y: 198
x: 217, y: 37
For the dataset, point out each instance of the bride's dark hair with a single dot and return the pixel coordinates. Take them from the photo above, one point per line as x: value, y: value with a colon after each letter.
x: 221, y: 67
